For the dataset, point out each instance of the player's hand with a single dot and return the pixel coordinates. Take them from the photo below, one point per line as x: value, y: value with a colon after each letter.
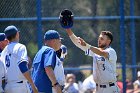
x: 58, y: 88
x: 81, y: 41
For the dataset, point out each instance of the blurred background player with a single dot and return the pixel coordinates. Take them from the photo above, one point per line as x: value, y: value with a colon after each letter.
x: 48, y: 71
x: 3, y: 43
x: 89, y: 85
x: 15, y: 57
x: 71, y: 86
x: 136, y: 83
x: 119, y: 83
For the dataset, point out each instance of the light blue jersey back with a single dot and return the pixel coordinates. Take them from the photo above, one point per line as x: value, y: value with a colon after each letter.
x: 46, y: 56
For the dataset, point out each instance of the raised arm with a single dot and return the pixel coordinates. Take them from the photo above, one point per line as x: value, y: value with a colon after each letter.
x: 66, y: 21
x: 94, y: 49
x: 75, y: 40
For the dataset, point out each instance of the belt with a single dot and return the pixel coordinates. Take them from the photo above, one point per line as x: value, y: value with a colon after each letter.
x: 105, y: 86
x: 20, y: 82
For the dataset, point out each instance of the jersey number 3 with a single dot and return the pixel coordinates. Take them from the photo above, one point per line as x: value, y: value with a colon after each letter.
x: 7, y: 60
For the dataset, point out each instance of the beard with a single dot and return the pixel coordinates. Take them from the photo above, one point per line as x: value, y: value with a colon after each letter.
x: 102, y: 46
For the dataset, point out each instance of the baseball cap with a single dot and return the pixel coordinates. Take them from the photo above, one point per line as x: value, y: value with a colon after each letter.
x: 2, y: 37
x: 52, y: 34
x: 10, y: 30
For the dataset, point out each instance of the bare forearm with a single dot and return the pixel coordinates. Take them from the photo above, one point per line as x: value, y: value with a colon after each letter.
x: 69, y: 32
x: 75, y: 39
x: 50, y: 73
x: 28, y: 77
x: 98, y: 51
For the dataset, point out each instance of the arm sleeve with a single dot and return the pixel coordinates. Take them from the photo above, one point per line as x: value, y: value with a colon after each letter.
x: 50, y: 58
x: 136, y: 83
x: 23, y: 66
x: 89, y: 52
x: 22, y: 54
x: 75, y: 40
x: 2, y: 70
x: 112, y: 56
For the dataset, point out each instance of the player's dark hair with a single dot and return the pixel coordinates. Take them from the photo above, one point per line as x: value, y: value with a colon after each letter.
x: 11, y: 37
x: 108, y: 34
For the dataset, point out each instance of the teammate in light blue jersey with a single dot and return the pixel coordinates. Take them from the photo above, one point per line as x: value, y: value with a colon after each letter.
x: 48, y: 72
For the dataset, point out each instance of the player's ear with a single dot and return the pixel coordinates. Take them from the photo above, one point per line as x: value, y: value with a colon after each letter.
x: 108, y: 41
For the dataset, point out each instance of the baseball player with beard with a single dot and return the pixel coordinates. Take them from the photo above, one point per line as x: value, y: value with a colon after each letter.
x: 104, y: 56
x: 104, y: 61
x: 15, y: 57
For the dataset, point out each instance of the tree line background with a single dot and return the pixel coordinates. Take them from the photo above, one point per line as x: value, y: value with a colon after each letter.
x: 87, y: 29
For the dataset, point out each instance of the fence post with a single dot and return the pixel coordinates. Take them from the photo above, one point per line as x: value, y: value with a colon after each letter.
x: 39, y: 24
x: 133, y: 44
x: 122, y: 41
